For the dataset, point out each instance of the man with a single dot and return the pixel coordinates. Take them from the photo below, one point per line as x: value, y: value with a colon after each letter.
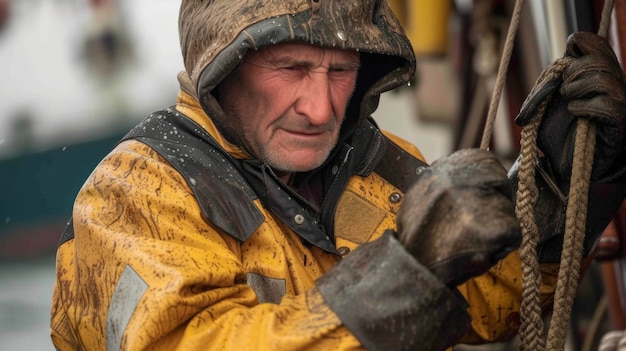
x: 267, y: 211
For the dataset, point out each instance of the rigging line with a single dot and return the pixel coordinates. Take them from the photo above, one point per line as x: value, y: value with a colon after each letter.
x: 501, y: 77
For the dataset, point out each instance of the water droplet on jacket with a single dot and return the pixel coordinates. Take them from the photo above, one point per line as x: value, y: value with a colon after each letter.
x: 342, y: 35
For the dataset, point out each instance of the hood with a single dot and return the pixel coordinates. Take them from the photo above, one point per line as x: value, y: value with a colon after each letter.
x: 216, y: 34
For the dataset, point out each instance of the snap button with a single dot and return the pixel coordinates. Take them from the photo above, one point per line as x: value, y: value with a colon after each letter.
x: 395, y: 198
x: 299, y: 219
x: 343, y: 250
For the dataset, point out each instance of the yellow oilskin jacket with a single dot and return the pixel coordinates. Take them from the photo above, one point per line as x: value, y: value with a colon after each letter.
x: 165, y: 252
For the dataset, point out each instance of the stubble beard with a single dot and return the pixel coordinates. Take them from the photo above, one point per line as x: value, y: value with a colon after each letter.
x: 283, y: 163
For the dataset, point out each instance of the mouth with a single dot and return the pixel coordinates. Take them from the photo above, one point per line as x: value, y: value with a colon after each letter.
x: 308, y: 134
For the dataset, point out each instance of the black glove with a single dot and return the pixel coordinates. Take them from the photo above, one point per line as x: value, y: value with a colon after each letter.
x: 458, y: 219
x: 593, y: 86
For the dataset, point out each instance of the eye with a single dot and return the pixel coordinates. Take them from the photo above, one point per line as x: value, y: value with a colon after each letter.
x: 342, y: 74
x: 293, y: 68
x: 340, y: 71
x: 292, y: 71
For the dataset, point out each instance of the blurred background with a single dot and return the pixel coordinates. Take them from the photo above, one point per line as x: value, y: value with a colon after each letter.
x: 75, y: 75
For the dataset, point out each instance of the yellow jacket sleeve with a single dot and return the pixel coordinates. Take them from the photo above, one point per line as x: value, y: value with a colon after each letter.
x: 494, y: 299
x: 144, y: 271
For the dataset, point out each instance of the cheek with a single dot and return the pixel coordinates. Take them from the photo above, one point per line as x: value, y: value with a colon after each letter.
x: 272, y: 101
x: 341, y: 94
x: 260, y: 110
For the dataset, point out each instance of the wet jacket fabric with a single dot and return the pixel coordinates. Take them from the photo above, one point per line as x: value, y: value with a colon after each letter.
x: 180, y: 240
x: 142, y: 267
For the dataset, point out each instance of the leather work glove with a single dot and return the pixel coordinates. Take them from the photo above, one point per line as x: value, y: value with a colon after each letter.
x: 396, y: 292
x: 592, y: 86
x: 458, y: 219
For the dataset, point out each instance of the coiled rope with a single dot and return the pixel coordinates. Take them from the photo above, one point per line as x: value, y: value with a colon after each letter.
x: 532, y: 328
x: 613, y: 341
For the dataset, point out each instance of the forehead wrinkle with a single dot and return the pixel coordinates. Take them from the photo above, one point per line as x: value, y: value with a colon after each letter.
x: 313, y: 57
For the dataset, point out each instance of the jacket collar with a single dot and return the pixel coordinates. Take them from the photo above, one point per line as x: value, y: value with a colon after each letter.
x: 190, y: 107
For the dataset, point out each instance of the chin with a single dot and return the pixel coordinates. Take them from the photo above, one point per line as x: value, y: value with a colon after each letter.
x: 296, y: 161
x: 297, y: 166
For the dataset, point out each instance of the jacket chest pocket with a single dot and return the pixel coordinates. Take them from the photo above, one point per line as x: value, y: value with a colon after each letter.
x: 359, y: 220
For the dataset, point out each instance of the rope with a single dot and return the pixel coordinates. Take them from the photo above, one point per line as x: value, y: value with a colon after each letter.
x: 613, y: 341
x: 527, y: 193
x: 501, y: 77
x: 605, y: 20
x: 575, y: 219
x: 531, y: 328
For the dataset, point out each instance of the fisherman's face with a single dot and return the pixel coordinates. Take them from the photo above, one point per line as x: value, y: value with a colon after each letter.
x: 286, y: 103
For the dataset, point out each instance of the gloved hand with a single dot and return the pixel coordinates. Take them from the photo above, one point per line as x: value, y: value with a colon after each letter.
x: 593, y: 86
x: 458, y: 219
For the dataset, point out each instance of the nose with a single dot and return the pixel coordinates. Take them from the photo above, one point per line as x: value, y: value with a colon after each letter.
x: 315, y: 101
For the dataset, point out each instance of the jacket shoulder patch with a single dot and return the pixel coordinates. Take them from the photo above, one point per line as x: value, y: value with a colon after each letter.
x: 224, y: 196
x: 267, y: 289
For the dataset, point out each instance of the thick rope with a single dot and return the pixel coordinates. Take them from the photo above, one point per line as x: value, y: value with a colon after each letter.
x: 531, y: 325
x: 531, y: 328
x: 575, y: 219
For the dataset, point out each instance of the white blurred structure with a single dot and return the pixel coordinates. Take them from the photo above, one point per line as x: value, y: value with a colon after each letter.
x: 46, y: 87
x: 44, y: 76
